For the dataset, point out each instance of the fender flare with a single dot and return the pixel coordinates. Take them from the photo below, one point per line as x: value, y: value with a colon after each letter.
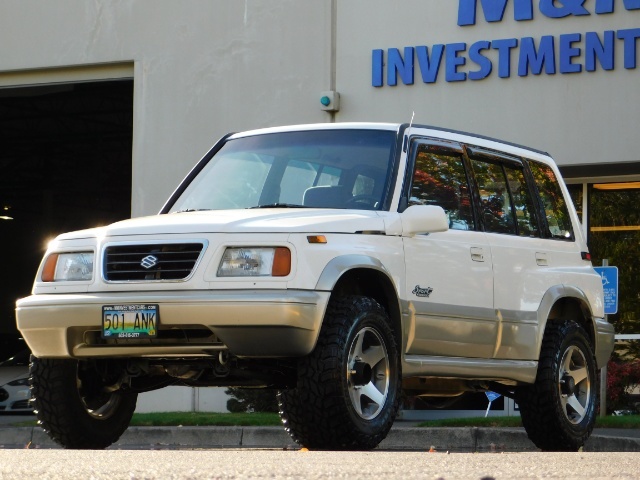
x: 338, y: 266
x: 549, y: 300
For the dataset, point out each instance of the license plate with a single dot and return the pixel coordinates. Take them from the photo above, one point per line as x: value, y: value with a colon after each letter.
x: 130, y: 321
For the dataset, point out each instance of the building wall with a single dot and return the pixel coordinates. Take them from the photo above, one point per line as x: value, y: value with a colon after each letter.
x: 204, y: 68
x: 201, y: 69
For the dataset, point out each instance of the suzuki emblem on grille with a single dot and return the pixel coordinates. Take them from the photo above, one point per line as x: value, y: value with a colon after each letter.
x: 149, y: 261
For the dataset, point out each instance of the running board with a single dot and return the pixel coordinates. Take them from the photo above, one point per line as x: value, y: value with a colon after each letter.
x: 470, y: 368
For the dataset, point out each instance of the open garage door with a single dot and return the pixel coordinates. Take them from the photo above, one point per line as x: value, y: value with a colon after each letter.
x: 65, y: 164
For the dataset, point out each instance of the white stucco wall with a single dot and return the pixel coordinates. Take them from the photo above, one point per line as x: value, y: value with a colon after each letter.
x: 183, y: 399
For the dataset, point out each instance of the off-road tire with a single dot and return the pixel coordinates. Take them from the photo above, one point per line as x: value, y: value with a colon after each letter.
x: 326, y: 410
x: 71, y: 420
x: 547, y: 407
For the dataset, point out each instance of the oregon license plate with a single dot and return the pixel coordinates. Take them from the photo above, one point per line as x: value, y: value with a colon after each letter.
x: 130, y: 321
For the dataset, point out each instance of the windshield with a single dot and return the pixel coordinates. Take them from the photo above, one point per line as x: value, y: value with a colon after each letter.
x: 319, y: 169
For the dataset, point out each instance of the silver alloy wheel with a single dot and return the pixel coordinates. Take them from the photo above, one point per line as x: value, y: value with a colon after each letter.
x: 574, y: 385
x: 368, y: 373
x: 100, y: 406
x: 108, y: 408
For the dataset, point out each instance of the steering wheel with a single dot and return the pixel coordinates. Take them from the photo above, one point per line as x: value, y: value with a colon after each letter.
x: 369, y: 200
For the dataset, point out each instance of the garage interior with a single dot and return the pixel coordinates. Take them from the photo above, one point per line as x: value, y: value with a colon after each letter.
x: 65, y: 164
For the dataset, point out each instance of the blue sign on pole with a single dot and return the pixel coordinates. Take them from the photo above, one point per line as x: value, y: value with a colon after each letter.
x: 609, y: 277
x: 492, y: 396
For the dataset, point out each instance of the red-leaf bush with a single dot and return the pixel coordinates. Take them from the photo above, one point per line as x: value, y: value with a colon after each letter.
x: 622, y: 379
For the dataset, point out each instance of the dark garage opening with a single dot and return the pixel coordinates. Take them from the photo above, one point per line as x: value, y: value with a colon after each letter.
x: 65, y: 164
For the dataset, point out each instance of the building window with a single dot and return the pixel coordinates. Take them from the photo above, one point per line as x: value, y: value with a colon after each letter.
x: 614, y: 234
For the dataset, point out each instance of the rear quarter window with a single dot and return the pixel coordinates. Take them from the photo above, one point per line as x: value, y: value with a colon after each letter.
x: 553, y: 201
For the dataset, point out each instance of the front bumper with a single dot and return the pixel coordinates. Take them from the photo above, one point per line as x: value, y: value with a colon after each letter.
x: 256, y: 323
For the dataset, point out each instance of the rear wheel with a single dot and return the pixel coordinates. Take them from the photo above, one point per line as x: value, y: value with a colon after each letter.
x: 347, y: 393
x: 77, y: 403
x: 559, y: 410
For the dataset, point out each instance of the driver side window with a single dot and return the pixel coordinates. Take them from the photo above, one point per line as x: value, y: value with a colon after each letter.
x: 440, y: 179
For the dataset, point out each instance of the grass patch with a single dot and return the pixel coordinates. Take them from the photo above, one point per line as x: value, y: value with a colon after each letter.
x: 625, y: 421
x: 622, y: 421
x: 164, y: 419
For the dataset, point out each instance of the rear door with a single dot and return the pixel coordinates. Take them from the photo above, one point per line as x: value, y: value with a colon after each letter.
x: 522, y: 273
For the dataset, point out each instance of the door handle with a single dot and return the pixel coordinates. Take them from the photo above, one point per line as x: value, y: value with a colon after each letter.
x: 477, y: 254
x: 541, y: 259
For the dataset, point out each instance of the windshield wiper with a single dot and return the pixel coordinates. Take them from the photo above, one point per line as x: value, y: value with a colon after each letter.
x: 192, y: 210
x: 279, y: 205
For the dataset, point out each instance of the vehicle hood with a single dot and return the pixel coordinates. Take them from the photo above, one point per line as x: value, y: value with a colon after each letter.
x: 273, y: 220
x: 8, y: 374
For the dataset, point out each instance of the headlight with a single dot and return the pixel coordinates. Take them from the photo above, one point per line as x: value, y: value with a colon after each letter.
x: 70, y: 267
x: 255, y: 262
x: 20, y: 382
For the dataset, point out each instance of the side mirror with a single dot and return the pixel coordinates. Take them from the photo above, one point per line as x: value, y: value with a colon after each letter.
x: 423, y: 219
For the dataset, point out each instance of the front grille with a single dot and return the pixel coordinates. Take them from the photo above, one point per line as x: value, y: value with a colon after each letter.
x: 21, y: 405
x: 156, y: 262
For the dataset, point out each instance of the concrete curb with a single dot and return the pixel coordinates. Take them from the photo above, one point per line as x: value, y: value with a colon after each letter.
x: 463, y: 439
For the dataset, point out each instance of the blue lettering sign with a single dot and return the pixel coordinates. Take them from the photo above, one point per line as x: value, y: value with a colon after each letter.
x: 533, y: 59
x: 377, y: 62
x: 569, y: 7
x: 568, y: 52
x: 429, y: 65
x: 596, y: 49
x: 454, y: 61
x: 476, y: 56
x: 629, y: 36
x: 606, y: 6
x: 504, y: 48
x: 396, y: 64
x: 493, y: 10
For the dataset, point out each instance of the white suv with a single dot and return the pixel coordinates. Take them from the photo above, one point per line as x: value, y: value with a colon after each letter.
x: 340, y: 264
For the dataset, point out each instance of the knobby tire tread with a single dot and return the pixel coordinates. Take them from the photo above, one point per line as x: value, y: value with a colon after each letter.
x: 316, y: 412
x: 61, y: 414
x: 541, y: 413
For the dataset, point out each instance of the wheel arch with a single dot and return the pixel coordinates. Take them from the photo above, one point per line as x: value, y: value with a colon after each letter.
x: 563, y: 302
x: 366, y: 276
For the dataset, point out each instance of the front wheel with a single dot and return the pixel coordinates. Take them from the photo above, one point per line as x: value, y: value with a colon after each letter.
x: 347, y: 393
x: 559, y: 410
x: 77, y: 404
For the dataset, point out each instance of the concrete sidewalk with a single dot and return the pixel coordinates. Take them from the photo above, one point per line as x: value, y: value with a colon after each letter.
x: 463, y: 439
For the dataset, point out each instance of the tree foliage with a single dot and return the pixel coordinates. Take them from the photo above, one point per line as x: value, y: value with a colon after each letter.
x: 622, y: 378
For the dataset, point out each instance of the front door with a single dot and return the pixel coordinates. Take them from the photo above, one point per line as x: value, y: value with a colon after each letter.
x: 449, y: 277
